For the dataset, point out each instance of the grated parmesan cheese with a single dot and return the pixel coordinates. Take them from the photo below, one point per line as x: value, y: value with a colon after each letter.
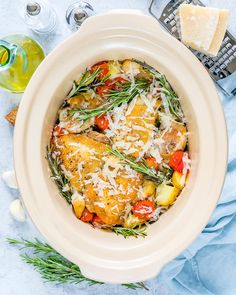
x: 187, y: 163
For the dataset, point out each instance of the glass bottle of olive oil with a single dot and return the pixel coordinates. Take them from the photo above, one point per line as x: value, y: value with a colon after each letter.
x: 19, y: 58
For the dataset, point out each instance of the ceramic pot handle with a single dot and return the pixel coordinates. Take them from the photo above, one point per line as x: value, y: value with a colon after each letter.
x: 121, y: 18
x: 115, y: 275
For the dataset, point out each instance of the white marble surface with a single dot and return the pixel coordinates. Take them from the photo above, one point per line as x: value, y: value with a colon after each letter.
x: 15, y: 276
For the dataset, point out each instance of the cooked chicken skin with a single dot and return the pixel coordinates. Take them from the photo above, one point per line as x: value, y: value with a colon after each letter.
x: 80, y: 156
x: 141, y: 122
x: 172, y: 140
x: 87, y: 100
x: 110, y: 207
x: 100, y: 137
x: 89, y: 169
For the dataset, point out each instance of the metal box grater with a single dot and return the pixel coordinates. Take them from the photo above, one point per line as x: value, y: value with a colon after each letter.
x: 221, y: 68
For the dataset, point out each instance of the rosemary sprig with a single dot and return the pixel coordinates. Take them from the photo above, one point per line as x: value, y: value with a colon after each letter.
x: 127, y: 232
x: 57, y: 174
x: 171, y: 97
x: 148, y: 67
x: 114, y: 98
x: 53, y: 267
x: 83, y: 85
x: 141, y: 167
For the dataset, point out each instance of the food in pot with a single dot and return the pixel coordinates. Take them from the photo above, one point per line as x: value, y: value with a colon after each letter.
x: 119, y: 148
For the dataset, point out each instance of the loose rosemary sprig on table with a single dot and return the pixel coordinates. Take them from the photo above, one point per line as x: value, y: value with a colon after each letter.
x: 127, y: 232
x: 53, y: 267
x: 57, y: 174
x: 141, y: 167
x: 114, y: 98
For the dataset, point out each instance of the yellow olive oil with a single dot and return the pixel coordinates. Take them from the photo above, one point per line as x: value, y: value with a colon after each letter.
x: 19, y: 58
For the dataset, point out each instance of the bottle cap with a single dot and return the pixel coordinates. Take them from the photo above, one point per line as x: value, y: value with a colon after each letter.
x: 33, y: 8
x: 77, y: 13
x: 80, y: 15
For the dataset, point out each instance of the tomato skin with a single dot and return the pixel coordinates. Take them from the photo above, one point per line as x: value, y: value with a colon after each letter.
x: 108, y: 85
x: 152, y: 163
x: 97, y: 220
x: 176, y: 161
x: 117, y: 82
x: 120, y: 80
x: 102, y: 122
x: 144, y: 209
x: 103, y: 66
x: 105, y: 88
x: 58, y: 131
x: 86, y: 216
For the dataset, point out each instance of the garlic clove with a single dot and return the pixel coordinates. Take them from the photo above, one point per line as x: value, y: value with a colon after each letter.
x: 17, y: 211
x: 9, y: 178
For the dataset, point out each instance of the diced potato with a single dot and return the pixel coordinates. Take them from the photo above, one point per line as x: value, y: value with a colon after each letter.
x: 132, y: 67
x: 114, y: 68
x: 178, y: 180
x: 78, y: 206
x: 85, y: 100
x: 144, y: 74
x: 166, y: 194
x: 132, y: 221
x: 149, y: 188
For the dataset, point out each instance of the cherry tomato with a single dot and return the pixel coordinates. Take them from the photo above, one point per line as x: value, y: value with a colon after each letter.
x: 86, y: 216
x: 97, y: 220
x: 176, y: 161
x: 152, y: 163
x: 103, y: 66
x: 102, y: 122
x: 144, y: 209
x: 114, y: 84
x: 58, y: 131
x: 118, y: 81
x: 105, y: 88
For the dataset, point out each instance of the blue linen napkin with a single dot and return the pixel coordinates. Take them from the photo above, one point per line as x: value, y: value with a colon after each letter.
x: 208, y: 266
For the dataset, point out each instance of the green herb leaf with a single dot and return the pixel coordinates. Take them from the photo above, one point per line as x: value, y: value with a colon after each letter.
x: 53, y: 267
x: 114, y: 98
x: 173, y: 102
x: 127, y: 232
x: 83, y: 85
x: 172, y: 99
x: 142, y: 167
x: 58, y: 176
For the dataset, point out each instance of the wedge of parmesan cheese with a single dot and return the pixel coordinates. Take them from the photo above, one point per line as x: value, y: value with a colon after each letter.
x: 203, y: 28
x: 220, y: 32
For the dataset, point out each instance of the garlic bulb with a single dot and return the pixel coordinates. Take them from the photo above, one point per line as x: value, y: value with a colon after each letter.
x: 9, y: 178
x: 17, y: 210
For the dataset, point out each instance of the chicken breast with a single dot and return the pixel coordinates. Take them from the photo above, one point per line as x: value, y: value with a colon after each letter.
x: 107, y: 186
x: 110, y: 191
x: 172, y: 139
x: 80, y: 156
x: 85, y: 100
x: 137, y: 127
